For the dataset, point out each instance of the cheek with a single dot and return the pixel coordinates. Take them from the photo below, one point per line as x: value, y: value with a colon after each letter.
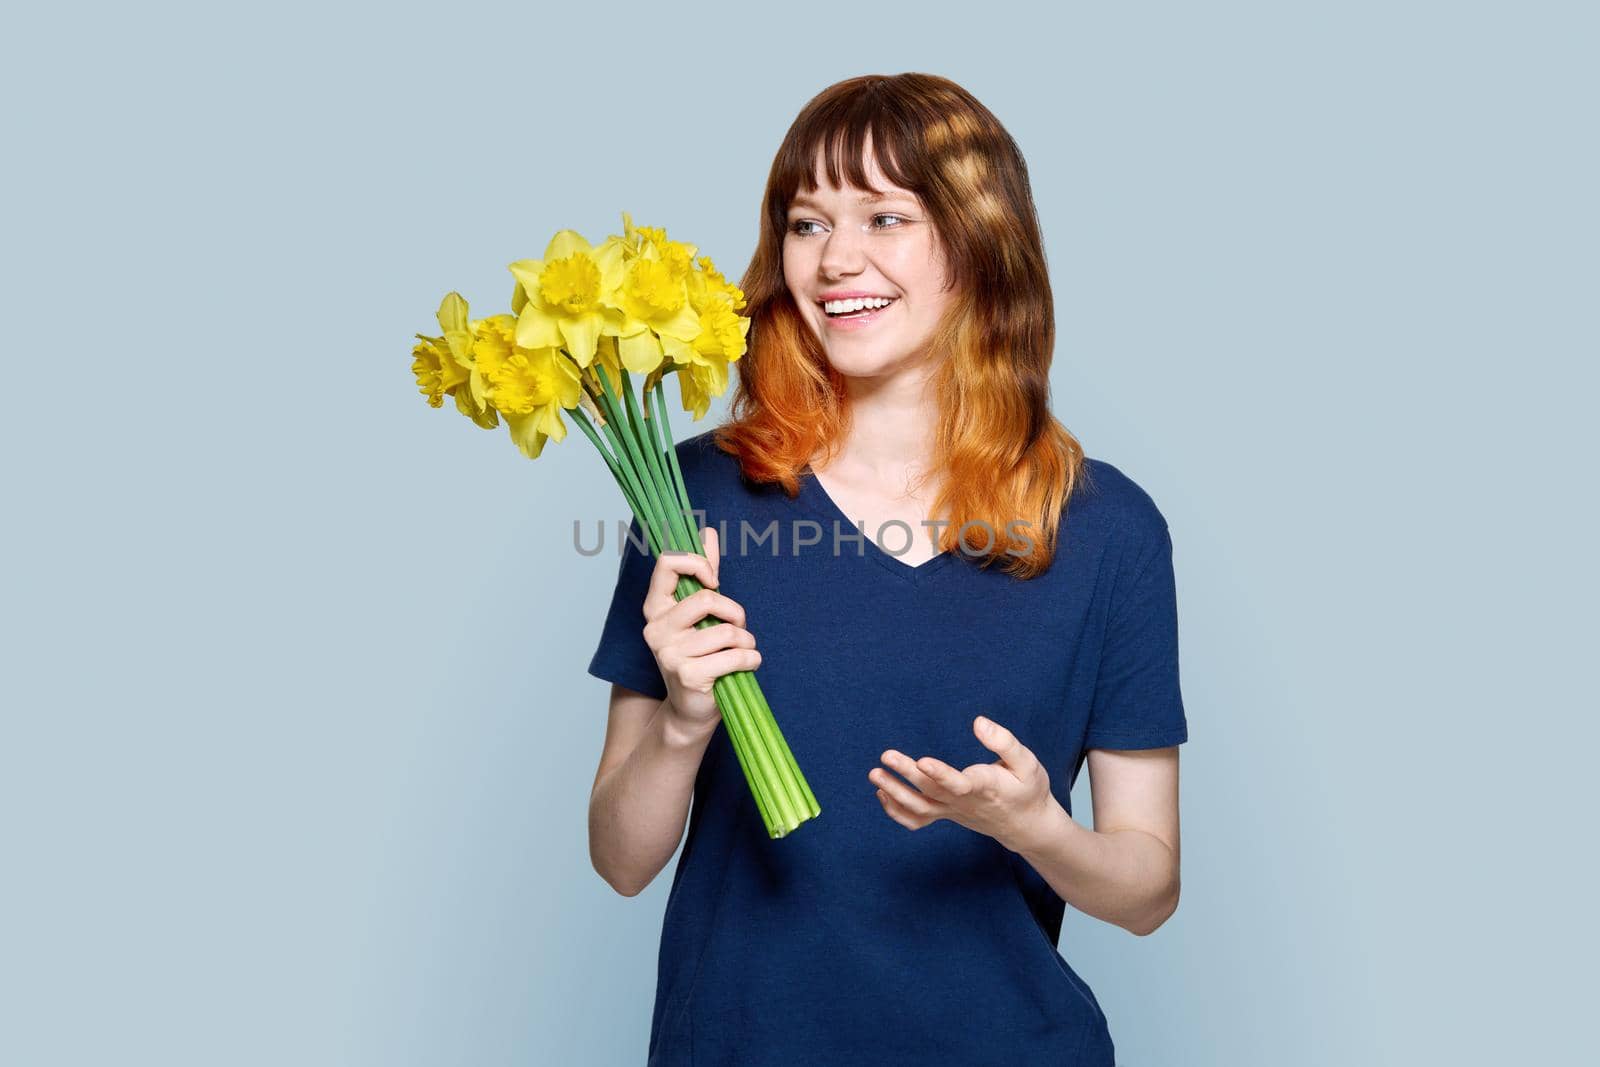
x: 792, y: 271
x: 794, y: 255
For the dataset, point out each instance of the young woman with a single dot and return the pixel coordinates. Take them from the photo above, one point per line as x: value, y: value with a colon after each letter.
x: 940, y: 691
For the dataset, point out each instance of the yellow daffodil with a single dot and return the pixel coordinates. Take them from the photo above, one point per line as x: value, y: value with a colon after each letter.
x: 443, y: 364
x: 436, y: 369
x: 490, y: 344
x: 530, y: 388
x: 721, y: 336
x: 457, y: 328
x: 478, y: 412
x: 712, y: 282
x: 641, y: 303
x: 698, y: 383
x: 493, y: 340
x: 658, y: 319
x: 565, y: 297
x: 703, y: 366
x: 636, y: 239
x: 607, y: 356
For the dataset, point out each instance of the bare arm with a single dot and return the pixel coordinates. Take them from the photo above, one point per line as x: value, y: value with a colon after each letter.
x: 1125, y: 870
x: 640, y: 800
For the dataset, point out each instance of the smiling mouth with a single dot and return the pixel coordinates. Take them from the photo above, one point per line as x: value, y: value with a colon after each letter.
x: 862, y: 313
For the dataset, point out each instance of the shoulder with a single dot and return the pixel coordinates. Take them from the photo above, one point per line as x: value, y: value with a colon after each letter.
x: 705, y: 466
x: 701, y: 454
x: 1106, y: 495
x: 699, y: 446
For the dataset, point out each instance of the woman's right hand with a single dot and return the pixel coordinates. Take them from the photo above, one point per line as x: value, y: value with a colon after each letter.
x: 692, y: 659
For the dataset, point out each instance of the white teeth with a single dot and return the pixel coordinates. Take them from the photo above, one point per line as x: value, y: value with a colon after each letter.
x: 841, y: 307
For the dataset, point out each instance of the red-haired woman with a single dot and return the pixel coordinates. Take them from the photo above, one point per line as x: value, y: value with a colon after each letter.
x: 959, y: 609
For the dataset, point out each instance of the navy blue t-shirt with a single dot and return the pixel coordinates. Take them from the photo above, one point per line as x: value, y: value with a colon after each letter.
x: 854, y: 940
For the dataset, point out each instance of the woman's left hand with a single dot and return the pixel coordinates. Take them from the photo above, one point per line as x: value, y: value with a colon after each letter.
x: 1005, y: 799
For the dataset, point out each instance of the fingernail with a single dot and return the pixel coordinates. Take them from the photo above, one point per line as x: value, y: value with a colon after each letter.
x: 983, y: 723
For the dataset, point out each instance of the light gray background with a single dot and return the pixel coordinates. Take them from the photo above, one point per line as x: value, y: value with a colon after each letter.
x: 298, y: 740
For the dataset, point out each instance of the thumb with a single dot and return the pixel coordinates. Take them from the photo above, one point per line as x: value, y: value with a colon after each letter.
x: 1016, y: 756
x: 708, y: 538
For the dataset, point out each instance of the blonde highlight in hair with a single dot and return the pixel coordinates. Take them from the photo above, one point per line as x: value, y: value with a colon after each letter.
x: 1002, y: 457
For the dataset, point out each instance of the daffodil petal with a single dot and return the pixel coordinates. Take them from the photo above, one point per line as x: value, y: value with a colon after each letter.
x: 478, y: 387
x: 581, y: 333
x: 680, y: 351
x: 537, y: 328
x: 695, y: 400
x: 719, y: 379
x: 480, y: 413
x: 569, y: 390
x: 612, y: 263
x: 527, y: 272
x: 566, y: 243
x: 550, y: 422
x: 614, y: 323
x: 525, y: 432
x: 685, y: 325
x: 640, y: 353
x: 453, y: 374
x: 606, y: 357
x: 457, y: 331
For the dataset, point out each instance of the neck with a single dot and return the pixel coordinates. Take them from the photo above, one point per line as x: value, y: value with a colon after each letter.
x: 892, y: 429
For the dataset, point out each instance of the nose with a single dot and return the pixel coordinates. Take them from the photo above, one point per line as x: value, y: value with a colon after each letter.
x: 842, y: 252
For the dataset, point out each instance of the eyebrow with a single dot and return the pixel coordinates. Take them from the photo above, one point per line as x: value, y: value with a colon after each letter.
x: 870, y: 198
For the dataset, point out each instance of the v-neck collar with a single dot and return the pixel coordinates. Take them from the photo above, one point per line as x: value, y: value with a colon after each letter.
x: 818, y: 500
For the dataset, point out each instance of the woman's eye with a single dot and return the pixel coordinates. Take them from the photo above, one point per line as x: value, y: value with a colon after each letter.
x: 798, y: 227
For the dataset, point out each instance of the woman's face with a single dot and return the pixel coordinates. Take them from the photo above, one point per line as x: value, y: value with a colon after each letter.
x: 835, y: 245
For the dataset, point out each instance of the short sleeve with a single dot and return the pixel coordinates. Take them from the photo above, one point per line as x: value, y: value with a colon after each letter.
x: 623, y: 656
x: 1137, y: 701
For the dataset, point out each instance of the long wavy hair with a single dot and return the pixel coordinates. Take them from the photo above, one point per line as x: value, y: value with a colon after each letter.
x: 1002, y: 455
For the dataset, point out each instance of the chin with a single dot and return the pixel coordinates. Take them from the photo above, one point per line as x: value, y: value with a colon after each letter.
x: 870, y: 360
x: 862, y: 364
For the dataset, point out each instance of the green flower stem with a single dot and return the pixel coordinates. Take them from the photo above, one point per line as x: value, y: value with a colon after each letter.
x: 611, y: 421
x: 651, y: 448
x: 631, y: 439
x: 766, y: 803
x: 644, y: 462
x: 747, y: 679
x: 672, y: 452
x: 782, y: 804
x: 792, y: 775
x: 755, y: 726
x: 772, y: 750
x: 629, y: 462
x: 751, y: 731
x: 616, y: 471
x: 655, y: 449
x: 632, y: 488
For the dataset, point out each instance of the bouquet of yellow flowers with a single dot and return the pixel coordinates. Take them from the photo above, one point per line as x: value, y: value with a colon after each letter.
x: 583, y: 319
